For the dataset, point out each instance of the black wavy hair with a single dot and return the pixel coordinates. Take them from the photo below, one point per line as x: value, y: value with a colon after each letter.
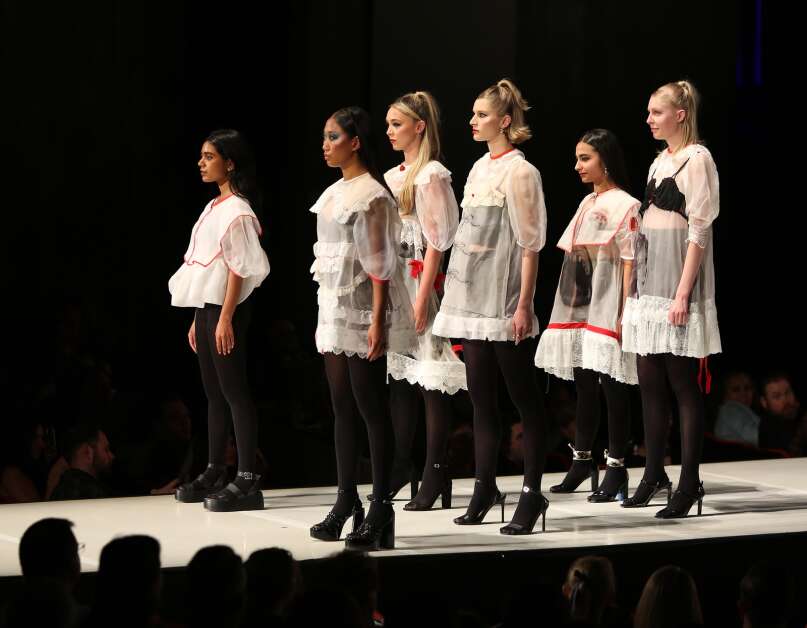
x: 613, y: 159
x: 355, y: 121
x: 232, y: 145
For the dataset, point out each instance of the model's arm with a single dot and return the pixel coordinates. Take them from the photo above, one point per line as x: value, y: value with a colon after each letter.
x: 225, y: 337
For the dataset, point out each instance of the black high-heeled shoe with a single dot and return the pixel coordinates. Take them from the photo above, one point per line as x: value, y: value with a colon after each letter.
x: 681, y: 504
x: 210, y: 481
x: 421, y: 502
x: 474, y: 518
x: 376, y: 532
x: 583, y: 467
x: 647, y: 491
x: 330, y: 528
x: 615, y: 466
x: 538, y: 504
x: 399, y: 484
x: 234, y: 497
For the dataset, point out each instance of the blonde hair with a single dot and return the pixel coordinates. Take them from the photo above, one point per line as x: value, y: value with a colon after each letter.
x: 592, y: 587
x: 419, y: 106
x: 683, y: 95
x: 506, y: 98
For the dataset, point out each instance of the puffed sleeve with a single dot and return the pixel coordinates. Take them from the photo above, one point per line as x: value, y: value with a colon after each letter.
x: 242, y: 251
x: 376, y: 233
x: 701, y: 187
x: 525, y: 204
x: 625, y: 237
x: 437, y: 210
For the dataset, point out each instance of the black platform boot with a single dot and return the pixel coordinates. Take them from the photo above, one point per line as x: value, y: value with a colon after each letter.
x: 330, y: 528
x: 210, y: 481
x: 378, y: 530
x: 243, y: 493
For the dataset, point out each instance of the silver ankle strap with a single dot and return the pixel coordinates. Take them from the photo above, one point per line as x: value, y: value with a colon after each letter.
x: 580, y: 454
x: 248, y: 475
x: 614, y: 463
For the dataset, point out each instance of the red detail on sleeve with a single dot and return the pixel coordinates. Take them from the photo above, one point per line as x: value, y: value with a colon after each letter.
x: 634, y: 224
x: 439, y: 281
x: 415, y: 268
x: 377, y: 279
x: 456, y: 349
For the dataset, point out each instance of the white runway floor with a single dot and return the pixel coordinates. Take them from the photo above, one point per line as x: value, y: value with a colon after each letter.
x: 743, y: 498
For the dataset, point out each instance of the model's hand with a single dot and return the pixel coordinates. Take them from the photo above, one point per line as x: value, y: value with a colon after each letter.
x: 421, y: 310
x: 375, y: 341
x: 192, y: 336
x: 522, y: 323
x: 225, y: 336
x: 679, y: 311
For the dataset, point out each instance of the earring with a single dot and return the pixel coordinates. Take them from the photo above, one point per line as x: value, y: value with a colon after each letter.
x: 606, y: 172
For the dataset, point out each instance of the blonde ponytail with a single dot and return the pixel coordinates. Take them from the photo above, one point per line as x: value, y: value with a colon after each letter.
x: 419, y: 106
x: 506, y: 98
x: 683, y: 95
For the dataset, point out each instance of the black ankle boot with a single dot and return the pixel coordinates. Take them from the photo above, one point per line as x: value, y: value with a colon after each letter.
x: 647, y: 491
x: 378, y: 530
x: 681, y: 503
x: 210, y: 481
x: 330, y: 528
x: 241, y: 494
x: 531, y: 505
x: 443, y: 486
x: 484, y: 498
x: 614, y: 486
x: 583, y: 467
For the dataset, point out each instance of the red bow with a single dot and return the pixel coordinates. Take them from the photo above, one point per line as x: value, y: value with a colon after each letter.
x: 456, y: 349
x: 416, y: 267
x: 439, y: 281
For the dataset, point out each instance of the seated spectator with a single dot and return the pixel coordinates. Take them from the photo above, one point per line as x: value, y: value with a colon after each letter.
x: 736, y: 419
x: 48, y: 549
x: 23, y: 464
x: 353, y: 573
x: 45, y: 603
x: 216, y: 588
x: 669, y: 600
x: 767, y: 596
x: 782, y: 425
x: 89, y: 456
x: 590, y: 588
x: 128, y: 584
x: 273, y: 583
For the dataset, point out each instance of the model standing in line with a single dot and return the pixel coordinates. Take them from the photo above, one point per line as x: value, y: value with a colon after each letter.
x: 582, y: 341
x: 429, y: 215
x: 488, y: 302
x: 224, y: 263
x: 671, y: 322
x: 363, y: 312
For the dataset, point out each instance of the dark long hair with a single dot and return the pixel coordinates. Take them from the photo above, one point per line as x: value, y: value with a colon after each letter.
x: 355, y: 121
x: 611, y: 155
x: 243, y: 181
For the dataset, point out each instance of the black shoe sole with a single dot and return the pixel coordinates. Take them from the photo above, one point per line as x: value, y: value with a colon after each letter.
x: 252, y: 501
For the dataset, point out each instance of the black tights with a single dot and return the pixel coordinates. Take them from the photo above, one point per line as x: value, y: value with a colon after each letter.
x: 224, y: 378
x: 357, y: 388
x: 483, y: 360
x: 588, y: 411
x: 404, y: 411
x: 655, y: 371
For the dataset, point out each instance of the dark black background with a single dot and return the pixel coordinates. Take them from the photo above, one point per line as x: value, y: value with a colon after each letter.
x: 106, y: 105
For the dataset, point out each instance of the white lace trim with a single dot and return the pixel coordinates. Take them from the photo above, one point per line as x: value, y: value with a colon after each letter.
x: 482, y: 196
x: 699, y: 235
x: 334, y: 339
x: 477, y: 328
x: 411, y: 234
x: 646, y: 330
x: 445, y: 376
x: 327, y: 296
x: 560, y: 351
x: 343, y: 214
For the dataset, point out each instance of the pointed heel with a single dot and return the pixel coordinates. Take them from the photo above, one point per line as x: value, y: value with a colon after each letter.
x: 669, y: 493
x: 503, y: 497
x: 543, y: 521
x: 595, y: 478
x: 700, y: 505
x: 446, y: 496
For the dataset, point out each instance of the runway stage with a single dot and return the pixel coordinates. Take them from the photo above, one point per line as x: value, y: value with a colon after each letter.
x: 744, y: 499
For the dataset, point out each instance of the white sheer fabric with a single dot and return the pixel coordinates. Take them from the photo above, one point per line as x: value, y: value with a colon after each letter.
x: 432, y: 364
x: 582, y: 331
x: 224, y: 238
x: 358, y: 230
x: 661, y: 252
x: 503, y: 214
